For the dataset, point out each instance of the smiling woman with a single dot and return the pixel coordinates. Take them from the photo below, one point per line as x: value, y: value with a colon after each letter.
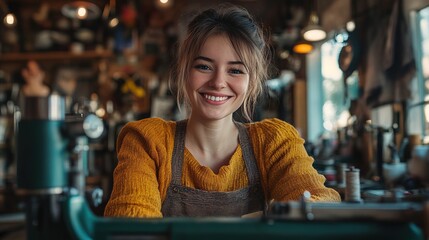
x: 209, y: 164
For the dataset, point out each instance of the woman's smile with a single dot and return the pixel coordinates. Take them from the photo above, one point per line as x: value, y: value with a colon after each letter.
x: 216, y: 99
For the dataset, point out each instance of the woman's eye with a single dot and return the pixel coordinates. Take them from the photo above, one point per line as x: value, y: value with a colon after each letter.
x: 202, y: 67
x: 236, y: 71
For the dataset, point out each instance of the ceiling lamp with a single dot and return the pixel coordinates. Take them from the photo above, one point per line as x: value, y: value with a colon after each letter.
x: 164, y: 3
x: 313, y: 31
x: 9, y: 20
x: 82, y: 10
x: 109, y: 14
x: 302, y: 47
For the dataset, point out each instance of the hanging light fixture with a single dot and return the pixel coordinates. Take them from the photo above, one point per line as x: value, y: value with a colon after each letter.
x: 82, y: 10
x: 302, y: 47
x: 109, y: 14
x: 164, y: 3
x: 313, y: 31
x: 9, y: 20
x: 113, y: 22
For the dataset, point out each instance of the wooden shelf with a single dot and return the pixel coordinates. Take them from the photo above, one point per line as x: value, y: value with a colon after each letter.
x: 45, y: 56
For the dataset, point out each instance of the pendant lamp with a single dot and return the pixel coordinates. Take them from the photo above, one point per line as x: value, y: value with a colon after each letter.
x: 82, y: 10
x: 313, y: 32
x: 109, y: 14
x: 302, y: 47
x: 9, y: 18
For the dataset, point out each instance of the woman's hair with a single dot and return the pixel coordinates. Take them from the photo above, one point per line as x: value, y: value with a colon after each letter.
x: 246, y: 37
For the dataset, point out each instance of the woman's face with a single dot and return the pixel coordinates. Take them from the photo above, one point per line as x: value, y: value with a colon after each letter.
x: 218, y: 80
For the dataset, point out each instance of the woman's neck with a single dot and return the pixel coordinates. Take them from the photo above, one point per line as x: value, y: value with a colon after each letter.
x: 212, y: 143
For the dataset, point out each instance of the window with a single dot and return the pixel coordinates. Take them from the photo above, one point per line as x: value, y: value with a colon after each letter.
x: 424, y: 44
x: 336, y: 105
x: 418, y: 111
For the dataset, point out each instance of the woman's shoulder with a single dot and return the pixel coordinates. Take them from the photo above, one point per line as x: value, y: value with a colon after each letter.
x: 151, y: 126
x: 273, y: 132
x: 151, y: 122
x: 273, y: 126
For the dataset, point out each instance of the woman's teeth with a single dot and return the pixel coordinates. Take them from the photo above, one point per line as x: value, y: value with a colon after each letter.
x: 216, y: 99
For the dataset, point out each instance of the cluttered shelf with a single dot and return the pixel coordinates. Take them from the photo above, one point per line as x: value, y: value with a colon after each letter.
x: 57, y: 55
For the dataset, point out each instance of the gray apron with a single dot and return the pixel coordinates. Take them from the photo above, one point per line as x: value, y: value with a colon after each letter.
x: 191, y: 202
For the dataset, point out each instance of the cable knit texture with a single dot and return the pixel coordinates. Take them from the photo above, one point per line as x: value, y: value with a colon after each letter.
x: 143, y: 173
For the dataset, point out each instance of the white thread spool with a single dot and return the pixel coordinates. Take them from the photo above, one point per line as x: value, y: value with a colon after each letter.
x: 352, y: 193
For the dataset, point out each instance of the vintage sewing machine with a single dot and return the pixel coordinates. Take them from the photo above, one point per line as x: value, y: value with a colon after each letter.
x: 51, y: 167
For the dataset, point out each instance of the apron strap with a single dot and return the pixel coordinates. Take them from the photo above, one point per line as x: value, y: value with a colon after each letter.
x: 178, y: 152
x: 248, y: 154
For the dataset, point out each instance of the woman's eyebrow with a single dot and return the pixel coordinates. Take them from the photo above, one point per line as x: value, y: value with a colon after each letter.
x: 236, y: 62
x: 211, y: 60
x: 204, y: 58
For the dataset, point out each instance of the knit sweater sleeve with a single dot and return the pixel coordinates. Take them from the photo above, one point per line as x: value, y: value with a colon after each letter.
x: 142, y: 149
x: 286, y: 169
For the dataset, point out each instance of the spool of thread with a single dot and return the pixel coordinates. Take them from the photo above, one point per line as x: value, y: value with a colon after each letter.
x: 352, y: 193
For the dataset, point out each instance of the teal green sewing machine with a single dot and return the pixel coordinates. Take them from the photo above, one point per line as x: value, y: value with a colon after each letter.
x: 51, y: 168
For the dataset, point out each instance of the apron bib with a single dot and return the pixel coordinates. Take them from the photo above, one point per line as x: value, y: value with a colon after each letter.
x: 191, y: 202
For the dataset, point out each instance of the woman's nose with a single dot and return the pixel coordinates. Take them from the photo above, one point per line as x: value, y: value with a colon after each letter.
x: 218, y: 80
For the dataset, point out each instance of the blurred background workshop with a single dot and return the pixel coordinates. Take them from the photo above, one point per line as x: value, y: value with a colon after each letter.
x: 352, y: 76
